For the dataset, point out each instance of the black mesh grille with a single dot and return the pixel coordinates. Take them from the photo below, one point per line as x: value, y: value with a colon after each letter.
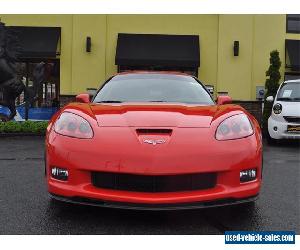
x: 153, y: 131
x: 292, y: 119
x: 146, y: 183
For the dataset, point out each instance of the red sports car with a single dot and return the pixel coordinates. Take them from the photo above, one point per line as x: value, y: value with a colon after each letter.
x: 153, y: 140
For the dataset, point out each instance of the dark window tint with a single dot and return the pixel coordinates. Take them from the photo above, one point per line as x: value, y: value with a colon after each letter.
x: 290, y: 76
x: 154, y: 88
x: 293, y: 23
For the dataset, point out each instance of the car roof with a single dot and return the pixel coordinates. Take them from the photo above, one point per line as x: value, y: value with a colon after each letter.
x: 145, y: 72
x: 152, y: 75
x: 293, y: 81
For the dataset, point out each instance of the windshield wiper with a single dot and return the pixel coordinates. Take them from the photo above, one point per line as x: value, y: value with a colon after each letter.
x: 110, y: 101
x: 157, y: 101
x: 284, y: 99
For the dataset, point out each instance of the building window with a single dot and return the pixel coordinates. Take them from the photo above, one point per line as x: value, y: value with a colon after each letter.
x: 46, y: 94
x: 292, y: 54
x: 293, y: 23
x: 39, y: 45
x: 291, y: 76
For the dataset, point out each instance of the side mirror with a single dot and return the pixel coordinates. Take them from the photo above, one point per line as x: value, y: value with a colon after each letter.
x: 83, y: 98
x: 270, y: 99
x: 91, y: 91
x: 224, y: 99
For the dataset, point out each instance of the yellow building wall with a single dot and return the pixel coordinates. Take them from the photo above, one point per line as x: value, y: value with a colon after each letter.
x: 234, y: 72
x: 88, y: 68
x: 269, y: 35
x: 257, y: 34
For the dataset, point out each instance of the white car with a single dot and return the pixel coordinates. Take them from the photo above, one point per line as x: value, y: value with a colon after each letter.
x: 284, y: 122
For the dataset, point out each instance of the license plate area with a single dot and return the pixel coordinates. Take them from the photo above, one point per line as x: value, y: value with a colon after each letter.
x: 293, y: 128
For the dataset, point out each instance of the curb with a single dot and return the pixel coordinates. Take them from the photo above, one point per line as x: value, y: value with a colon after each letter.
x: 21, y: 134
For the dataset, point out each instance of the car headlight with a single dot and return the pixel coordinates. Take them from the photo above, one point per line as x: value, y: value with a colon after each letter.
x: 277, y: 108
x: 234, y: 127
x: 72, y: 125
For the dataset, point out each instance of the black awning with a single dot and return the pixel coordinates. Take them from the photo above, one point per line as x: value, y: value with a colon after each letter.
x: 293, y: 50
x: 158, y: 50
x: 37, y: 42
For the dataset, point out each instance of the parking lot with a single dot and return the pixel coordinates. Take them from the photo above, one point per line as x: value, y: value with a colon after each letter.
x: 25, y: 207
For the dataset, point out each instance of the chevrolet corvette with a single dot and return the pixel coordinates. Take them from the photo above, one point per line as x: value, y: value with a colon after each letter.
x: 153, y: 140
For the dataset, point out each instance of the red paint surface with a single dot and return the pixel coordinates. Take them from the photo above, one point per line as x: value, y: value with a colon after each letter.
x: 191, y: 147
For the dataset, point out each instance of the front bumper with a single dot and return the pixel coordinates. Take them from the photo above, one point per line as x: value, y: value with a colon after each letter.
x: 82, y: 157
x: 219, y: 192
x: 281, y: 132
x: 154, y: 207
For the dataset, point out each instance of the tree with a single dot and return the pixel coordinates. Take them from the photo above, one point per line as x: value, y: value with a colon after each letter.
x: 273, y: 73
x: 271, y: 85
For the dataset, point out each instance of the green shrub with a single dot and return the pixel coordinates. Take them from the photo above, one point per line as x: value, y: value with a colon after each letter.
x: 32, y: 127
x: 271, y: 85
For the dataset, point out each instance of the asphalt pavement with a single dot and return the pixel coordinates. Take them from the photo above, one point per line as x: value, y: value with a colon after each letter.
x: 25, y: 207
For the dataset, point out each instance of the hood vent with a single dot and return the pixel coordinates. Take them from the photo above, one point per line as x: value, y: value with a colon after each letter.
x: 153, y: 131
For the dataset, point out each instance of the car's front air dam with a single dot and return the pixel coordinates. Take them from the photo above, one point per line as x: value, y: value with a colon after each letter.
x: 183, y: 153
x: 89, y: 191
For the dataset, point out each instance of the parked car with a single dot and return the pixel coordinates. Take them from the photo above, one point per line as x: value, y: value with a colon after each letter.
x: 284, y: 122
x: 153, y: 140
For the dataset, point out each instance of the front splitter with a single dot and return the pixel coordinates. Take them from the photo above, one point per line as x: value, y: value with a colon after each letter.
x: 154, y: 207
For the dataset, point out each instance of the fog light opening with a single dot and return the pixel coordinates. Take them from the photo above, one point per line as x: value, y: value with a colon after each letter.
x: 248, y: 175
x: 59, y: 173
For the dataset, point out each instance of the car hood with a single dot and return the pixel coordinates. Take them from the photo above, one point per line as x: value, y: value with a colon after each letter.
x: 154, y: 115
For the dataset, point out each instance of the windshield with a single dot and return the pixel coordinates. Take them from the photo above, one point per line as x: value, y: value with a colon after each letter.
x: 153, y: 88
x: 289, y: 92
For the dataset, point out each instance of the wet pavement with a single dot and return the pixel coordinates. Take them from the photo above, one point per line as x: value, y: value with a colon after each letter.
x: 25, y: 207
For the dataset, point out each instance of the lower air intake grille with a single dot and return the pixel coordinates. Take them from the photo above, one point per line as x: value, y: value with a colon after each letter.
x: 292, y: 119
x: 161, y: 183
